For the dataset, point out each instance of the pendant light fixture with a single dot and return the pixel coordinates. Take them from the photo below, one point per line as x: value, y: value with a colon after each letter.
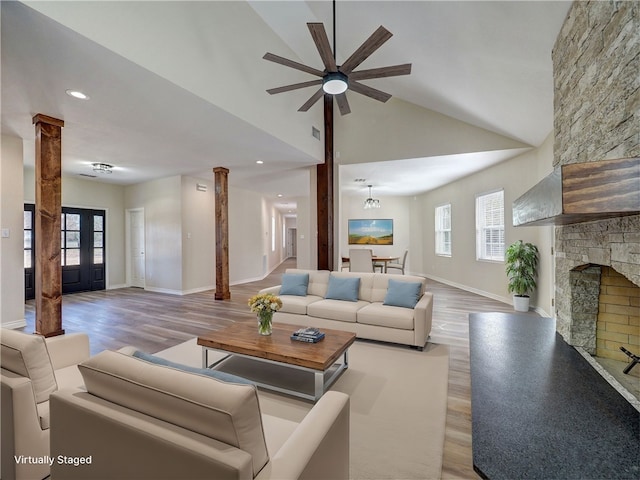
x: 371, y: 202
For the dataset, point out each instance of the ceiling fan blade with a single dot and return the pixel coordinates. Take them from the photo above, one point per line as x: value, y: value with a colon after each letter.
x: 369, y: 46
x: 392, y: 71
x: 343, y: 104
x: 369, y: 91
x: 294, y: 86
x: 314, y: 98
x: 290, y: 63
x: 321, y: 40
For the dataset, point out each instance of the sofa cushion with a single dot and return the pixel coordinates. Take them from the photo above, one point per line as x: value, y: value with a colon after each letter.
x: 43, y: 415
x: 294, y: 284
x: 27, y: 355
x: 386, y: 316
x: 402, y: 294
x: 69, y: 377
x: 225, y: 377
x: 342, y: 288
x: 295, y: 304
x: 224, y: 411
x: 336, y: 309
x: 318, y: 281
x: 381, y: 284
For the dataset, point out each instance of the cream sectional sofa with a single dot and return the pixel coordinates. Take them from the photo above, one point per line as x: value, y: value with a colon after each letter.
x: 33, y: 367
x: 369, y: 316
x: 144, y: 420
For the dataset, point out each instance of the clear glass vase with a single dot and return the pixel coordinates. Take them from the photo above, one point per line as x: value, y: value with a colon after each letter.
x: 265, y: 320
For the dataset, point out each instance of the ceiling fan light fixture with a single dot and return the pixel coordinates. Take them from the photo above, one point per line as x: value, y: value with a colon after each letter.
x: 102, y: 167
x: 335, y: 83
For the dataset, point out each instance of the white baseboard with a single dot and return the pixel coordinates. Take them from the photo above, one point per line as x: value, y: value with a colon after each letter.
x: 198, y: 290
x: 15, y: 324
x: 163, y: 290
x: 507, y: 300
x: 541, y: 312
x: 115, y: 287
x: 466, y: 288
x: 257, y: 279
x: 248, y: 280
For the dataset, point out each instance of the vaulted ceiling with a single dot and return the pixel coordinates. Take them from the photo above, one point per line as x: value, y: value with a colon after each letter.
x: 179, y: 87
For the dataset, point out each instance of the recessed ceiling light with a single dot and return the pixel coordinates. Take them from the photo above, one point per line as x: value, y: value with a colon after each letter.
x: 279, y: 195
x: 259, y: 162
x: 77, y: 94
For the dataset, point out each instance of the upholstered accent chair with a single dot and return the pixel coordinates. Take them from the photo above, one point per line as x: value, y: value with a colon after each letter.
x: 32, y: 368
x: 399, y: 266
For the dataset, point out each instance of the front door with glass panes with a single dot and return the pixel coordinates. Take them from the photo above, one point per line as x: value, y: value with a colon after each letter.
x: 82, y: 253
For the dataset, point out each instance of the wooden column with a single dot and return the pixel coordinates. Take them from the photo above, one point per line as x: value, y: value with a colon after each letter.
x: 324, y: 184
x: 47, y: 225
x: 221, y: 187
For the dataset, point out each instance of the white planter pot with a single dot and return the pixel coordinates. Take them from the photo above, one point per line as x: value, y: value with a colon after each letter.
x: 520, y: 304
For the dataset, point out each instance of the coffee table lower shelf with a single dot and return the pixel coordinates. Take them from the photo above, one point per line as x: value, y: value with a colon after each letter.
x: 298, y: 381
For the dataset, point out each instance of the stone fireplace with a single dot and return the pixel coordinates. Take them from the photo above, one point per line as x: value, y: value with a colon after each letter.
x: 589, y: 257
x: 596, y: 62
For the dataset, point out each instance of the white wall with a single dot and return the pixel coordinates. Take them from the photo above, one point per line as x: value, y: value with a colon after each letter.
x: 307, y: 226
x: 11, y: 248
x: 273, y: 256
x: 198, y: 236
x: 462, y: 269
x: 246, y: 236
x: 393, y: 207
x: 403, y: 130
x: 161, y: 200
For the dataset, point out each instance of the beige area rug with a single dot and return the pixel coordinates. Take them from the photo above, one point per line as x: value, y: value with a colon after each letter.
x: 398, y: 406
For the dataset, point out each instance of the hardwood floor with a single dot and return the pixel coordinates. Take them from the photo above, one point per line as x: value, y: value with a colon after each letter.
x: 155, y: 321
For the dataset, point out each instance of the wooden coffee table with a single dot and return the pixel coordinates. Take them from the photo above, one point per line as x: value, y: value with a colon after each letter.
x: 285, y: 363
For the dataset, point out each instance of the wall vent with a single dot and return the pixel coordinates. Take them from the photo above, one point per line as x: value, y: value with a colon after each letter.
x: 315, y: 132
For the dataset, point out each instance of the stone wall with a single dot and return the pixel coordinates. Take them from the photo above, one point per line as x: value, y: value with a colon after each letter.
x: 596, y: 60
x: 596, y: 83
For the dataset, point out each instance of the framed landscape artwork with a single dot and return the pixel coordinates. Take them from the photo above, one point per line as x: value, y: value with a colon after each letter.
x: 371, y: 232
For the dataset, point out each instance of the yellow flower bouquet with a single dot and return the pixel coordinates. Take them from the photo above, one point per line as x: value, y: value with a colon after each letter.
x: 265, y: 304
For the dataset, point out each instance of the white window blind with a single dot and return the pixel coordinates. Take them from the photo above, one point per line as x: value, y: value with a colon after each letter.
x: 490, y: 226
x: 443, y: 230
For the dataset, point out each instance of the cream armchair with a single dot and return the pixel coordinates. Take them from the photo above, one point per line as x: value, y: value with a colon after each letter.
x: 32, y: 368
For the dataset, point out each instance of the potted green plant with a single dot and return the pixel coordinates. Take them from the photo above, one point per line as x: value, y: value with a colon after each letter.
x: 522, y: 270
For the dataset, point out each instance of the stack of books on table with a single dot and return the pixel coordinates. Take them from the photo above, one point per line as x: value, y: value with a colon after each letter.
x: 309, y: 335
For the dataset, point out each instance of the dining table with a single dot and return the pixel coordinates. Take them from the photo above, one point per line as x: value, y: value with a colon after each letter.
x: 377, y: 259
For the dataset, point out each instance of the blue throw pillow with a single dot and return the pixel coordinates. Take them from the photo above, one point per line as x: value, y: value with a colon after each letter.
x: 225, y: 377
x: 402, y: 294
x: 341, y: 288
x: 294, y: 284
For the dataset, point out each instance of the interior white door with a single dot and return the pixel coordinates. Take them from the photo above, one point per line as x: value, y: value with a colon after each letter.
x: 136, y: 248
x: 292, y: 244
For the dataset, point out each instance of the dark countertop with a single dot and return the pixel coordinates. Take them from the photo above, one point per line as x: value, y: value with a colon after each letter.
x: 540, y: 410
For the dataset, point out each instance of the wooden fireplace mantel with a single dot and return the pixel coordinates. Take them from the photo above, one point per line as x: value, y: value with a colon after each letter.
x: 582, y: 192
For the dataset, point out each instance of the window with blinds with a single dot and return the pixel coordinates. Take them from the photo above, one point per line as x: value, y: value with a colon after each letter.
x: 443, y: 230
x: 490, y: 226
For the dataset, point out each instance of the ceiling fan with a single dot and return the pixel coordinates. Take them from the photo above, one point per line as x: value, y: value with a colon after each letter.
x: 337, y: 79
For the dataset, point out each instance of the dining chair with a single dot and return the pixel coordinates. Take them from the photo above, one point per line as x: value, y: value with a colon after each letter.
x: 379, y: 265
x: 360, y: 260
x: 399, y: 266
